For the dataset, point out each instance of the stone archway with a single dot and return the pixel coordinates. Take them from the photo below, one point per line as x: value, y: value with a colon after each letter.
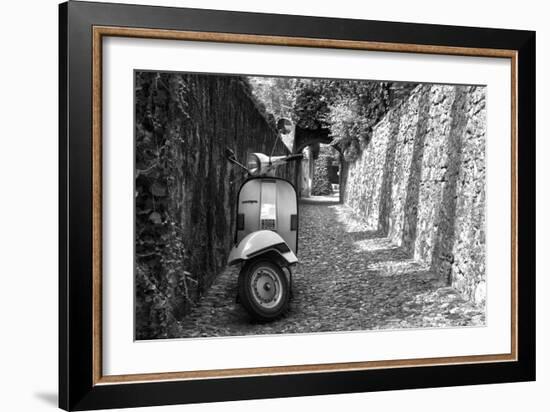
x: 308, y: 141
x: 306, y: 137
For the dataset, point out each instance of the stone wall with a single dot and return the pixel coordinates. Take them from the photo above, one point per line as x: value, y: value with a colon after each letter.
x: 421, y: 182
x: 224, y: 116
x: 186, y: 190
x: 468, y: 275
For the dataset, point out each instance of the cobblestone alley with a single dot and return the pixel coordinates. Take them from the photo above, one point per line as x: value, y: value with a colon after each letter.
x: 348, y: 279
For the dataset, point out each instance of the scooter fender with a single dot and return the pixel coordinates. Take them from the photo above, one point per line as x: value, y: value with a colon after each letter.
x: 258, y: 243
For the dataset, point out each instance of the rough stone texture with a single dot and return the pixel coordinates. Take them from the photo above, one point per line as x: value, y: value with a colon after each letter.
x: 433, y: 170
x: 223, y: 116
x: 186, y: 189
x: 432, y: 161
x: 386, y: 188
x: 348, y: 279
x: 363, y: 194
x: 468, y: 267
x: 405, y: 139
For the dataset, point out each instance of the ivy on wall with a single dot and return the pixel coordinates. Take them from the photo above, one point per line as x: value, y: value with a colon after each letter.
x: 185, y: 190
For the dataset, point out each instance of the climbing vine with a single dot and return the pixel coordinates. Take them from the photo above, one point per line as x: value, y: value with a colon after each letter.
x: 321, y: 185
x: 163, y: 286
x: 185, y: 190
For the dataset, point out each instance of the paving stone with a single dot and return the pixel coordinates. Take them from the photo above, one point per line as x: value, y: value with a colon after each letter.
x: 349, y: 278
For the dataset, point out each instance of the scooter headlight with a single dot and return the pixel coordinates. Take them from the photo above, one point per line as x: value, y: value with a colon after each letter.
x: 253, y: 164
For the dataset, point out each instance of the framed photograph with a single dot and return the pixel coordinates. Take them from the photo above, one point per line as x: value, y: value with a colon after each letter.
x: 256, y: 205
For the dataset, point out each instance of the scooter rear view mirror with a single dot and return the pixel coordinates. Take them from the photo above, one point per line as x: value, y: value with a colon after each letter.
x: 284, y: 126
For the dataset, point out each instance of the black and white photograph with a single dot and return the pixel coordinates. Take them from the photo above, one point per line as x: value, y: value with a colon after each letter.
x: 284, y: 205
x: 214, y: 206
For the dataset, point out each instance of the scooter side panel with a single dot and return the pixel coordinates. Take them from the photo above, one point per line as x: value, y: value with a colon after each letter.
x: 286, y: 207
x: 249, y: 206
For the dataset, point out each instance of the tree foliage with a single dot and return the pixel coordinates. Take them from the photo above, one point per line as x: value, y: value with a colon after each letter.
x: 277, y: 94
x: 311, y: 106
x: 350, y: 108
x: 321, y: 184
x: 276, y: 97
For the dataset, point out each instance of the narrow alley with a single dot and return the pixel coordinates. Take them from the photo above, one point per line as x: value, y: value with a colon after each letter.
x: 348, y: 279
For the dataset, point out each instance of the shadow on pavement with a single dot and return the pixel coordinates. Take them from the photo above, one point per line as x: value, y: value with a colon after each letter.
x: 328, y: 200
x: 349, y: 278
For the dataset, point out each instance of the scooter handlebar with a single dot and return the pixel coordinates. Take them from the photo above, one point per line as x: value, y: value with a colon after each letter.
x: 297, y: 156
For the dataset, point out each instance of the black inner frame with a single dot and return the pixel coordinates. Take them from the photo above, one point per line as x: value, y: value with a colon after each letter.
x: 76, y: 389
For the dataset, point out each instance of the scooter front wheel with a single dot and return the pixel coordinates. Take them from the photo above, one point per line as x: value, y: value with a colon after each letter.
x: 263, y: 289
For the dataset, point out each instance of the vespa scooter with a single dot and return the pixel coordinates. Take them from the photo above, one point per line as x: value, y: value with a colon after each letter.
x: 266, y: 238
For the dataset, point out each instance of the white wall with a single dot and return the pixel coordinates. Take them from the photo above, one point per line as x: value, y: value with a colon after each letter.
x: 28, y: 203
